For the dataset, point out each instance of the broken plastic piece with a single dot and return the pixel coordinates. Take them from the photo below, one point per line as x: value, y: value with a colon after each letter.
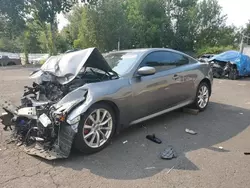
x: 153, y: 138
x: 125, y: 142
x: 149, y: 168
x: 220, y: 147
x: 190, y: 131
x: 168, y: 153
x: 246, y: 153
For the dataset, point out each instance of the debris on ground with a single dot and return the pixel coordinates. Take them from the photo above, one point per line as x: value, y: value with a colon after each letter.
x: 241, y: 113
x: 190, y: 131
x: 153, y: 138
x: 191, y: 111
x: 168, y: 153
x: 246, y: 153
x: 170, y: 170
x: 125, y: 142
x: 221, y: 147
x: 149, y: 168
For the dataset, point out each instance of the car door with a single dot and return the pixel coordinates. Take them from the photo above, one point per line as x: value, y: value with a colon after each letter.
x: 162, y: 90
x: 181, y: 76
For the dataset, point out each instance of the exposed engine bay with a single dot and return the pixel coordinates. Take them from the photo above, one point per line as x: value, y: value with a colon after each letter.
x: 40, y: 124
x: 223, y: 69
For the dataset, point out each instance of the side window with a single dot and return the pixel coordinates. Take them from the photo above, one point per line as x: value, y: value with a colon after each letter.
x: 192, y: 60
x: 162, y: 61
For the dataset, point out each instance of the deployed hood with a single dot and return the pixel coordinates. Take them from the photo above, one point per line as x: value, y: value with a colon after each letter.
x: 67, y: 66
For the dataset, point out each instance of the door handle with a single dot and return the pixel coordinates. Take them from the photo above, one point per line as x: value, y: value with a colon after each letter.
x: 175, y: 77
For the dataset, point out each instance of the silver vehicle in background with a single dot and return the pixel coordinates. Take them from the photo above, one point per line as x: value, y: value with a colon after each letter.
x: 7, y: 61
x: 82, y: 98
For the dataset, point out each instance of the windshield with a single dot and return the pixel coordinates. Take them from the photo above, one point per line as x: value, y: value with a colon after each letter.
x: 122, y: 62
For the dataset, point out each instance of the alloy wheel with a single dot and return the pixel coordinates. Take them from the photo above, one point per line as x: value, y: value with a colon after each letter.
x: 97, y: 128
x: 203, y: 97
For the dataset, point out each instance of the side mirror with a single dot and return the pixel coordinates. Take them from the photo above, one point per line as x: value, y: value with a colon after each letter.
x: 145, y: 71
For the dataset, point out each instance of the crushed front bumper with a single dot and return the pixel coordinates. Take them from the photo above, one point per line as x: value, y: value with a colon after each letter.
x: 60, y: 149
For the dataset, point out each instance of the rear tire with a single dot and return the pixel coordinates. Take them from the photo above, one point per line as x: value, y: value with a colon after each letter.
x: 202, y: 97
x: 93, y: 136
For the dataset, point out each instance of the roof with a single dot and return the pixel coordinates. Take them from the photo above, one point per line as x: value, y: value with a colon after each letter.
x: 147, y: 50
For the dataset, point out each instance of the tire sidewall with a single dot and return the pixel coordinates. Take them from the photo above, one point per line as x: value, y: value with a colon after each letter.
x: 197, y: 94
x: 233, y: 74
x: 79, y: 142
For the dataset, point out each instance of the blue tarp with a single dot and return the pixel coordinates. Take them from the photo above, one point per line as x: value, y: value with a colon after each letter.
x: 242, y: 61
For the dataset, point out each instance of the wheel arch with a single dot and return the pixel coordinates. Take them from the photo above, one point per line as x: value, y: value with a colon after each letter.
x: 11, y: 63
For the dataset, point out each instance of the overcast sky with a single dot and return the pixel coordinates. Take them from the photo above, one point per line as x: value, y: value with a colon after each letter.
x: 238, y: 12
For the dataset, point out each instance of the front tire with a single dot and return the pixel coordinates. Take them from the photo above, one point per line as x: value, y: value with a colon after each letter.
x: 96, y: 129
x: 202, y: 96
x: 233, y: 74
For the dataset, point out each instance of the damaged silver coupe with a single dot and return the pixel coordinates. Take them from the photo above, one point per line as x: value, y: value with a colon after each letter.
x: 81, y: 98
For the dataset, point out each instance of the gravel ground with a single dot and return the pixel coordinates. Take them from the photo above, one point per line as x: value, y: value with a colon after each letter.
x: 200, y: 162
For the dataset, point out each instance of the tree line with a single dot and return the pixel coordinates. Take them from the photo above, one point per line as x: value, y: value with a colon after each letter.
x: 195, y: 26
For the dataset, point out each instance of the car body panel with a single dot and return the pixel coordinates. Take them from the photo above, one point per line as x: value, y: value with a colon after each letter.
x: 134, y: 96
x: 139, y: 97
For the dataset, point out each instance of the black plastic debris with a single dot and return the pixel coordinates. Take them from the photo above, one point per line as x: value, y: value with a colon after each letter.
x: 246, y: 153
x: 169, y: 153
x: 153, y: 138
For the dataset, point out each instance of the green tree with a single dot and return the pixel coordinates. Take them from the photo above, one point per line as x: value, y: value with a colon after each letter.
x: 47, y: 10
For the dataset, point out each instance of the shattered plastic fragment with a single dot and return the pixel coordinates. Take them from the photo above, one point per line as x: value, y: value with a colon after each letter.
x: 168, y: 153
x: 220, y: 147
x: 154, y: 139
x: 149, y: 168
x: 125, y: 142
x: 190, y: 131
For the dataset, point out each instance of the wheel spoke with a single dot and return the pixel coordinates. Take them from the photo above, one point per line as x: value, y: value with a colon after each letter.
x: 98, y: 115
x: 92, y: 119
x: 200, y: 101
x: 98, y: 138
x: 203, y: 89
x: 103, y: 135
x: 105, y: 128
x: 89, y: 134
x: 106, y: 121
x: 92, y: 139
x: 104, y: 115
x: 203, y: 104
x: 87, y: 127
x: 206, y: 92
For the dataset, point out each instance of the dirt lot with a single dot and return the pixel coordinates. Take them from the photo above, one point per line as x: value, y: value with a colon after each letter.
x: 137, y: 164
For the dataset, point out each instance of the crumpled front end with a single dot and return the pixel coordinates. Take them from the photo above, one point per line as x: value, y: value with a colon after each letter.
x: 47, y: 120
x: 43, y: 128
